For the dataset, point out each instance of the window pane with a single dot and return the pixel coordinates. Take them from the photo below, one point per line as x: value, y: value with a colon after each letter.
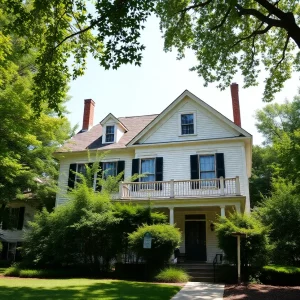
x: 110, y: 129
x: 109, y: 169
x: 207, y: 163
x: 187, y: 129
x: 148, y: 167
x: 109, y: 138
x: 207, y: 175
x: 187, y: 119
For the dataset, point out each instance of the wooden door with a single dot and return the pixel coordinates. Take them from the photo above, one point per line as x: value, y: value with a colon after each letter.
x: 195, y: 240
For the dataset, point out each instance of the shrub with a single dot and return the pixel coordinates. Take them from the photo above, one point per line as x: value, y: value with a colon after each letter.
x: 165, y: 238
x: 254, y: 248
x: 280, y: 275
x: 172, y: 274
x: 13, y: 271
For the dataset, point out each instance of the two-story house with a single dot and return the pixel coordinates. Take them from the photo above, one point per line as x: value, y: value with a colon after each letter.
x: 197, y: 163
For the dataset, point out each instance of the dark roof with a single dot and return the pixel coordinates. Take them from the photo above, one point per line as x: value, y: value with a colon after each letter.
x: 92, y: 139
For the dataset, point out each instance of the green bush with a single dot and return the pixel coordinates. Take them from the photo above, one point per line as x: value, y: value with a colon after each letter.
x: 280, y: 275
x: 254, y: 248
x: 13, y: 271
x: 165, y: 238
x: 226, y: 274
x: 172, y: 274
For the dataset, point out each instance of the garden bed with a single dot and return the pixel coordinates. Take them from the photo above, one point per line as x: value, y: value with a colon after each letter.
x: 261, y: 292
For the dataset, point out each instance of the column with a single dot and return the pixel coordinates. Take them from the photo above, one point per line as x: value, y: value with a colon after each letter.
x: 238, y: 207
x: 222, y: 211
x: 171, y: 215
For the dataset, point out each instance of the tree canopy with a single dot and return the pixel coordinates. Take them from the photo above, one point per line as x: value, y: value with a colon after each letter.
x: 226, y: 36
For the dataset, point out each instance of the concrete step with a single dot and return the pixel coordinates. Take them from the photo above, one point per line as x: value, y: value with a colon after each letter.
x: 202, y: 279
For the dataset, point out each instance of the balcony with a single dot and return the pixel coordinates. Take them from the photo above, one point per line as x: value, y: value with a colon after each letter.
x: 200, y: 188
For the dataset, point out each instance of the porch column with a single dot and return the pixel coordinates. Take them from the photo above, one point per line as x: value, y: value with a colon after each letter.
x: 171, y: 215
x: 223, y: 211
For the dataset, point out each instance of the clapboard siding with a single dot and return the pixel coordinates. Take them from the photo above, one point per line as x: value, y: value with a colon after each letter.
x: 177, y: 159
x: 176, y: 164
x: 207, y: 125
x: 17, y: 235
x: 61, y: 196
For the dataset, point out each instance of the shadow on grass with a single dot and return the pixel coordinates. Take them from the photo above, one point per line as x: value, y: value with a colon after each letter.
x: 104, y: 291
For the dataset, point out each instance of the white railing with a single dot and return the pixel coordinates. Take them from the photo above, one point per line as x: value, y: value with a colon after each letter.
x: 180, y: 188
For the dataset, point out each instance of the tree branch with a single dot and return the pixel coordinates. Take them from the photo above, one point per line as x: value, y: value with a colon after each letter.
x: 253, y: 12
x: 202, y: 4
x: 223, y: 20
x: 283, y: 52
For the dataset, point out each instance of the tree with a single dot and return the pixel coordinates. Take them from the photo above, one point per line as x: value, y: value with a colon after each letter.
x: 233, y: 35
x: 69, y: 30
x: 280, y: 125
x: 27, y: 143
x: 253, y: 247
x: 280, y: 213
x: 260, y: 183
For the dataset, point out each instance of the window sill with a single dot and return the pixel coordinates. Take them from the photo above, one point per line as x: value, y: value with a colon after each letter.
x: 192, y: 134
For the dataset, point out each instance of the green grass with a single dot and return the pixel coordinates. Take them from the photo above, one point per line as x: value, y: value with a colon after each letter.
x: 48, y: 289
x: 282, y: 269
x: 172, y: 274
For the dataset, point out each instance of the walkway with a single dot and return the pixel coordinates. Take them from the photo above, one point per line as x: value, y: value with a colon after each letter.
x: 199, y: 291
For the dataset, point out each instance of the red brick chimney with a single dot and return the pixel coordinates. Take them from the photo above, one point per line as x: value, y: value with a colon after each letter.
x: 235, y: 104
x: 88, y: 114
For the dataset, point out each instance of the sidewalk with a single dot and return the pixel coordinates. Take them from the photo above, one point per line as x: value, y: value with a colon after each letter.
x: 200, y: 290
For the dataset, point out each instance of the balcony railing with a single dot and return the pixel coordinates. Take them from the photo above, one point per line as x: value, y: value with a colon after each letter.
x: 199, y: 188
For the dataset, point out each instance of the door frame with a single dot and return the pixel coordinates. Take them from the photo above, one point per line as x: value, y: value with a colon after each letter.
x: 197, y: 220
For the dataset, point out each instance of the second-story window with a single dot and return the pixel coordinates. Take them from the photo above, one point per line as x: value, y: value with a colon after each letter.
x: 187, y: 124
x: 207, y: 166
x: 148, y: 168
x: 110, y: 134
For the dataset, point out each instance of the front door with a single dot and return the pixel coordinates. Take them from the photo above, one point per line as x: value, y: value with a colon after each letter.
x: 195, y: 240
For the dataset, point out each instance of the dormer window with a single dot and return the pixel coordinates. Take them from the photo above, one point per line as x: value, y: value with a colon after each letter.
x: 187, y: 124
x: 110, y: 134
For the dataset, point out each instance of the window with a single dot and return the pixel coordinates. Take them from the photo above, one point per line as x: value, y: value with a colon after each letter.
x: 187, y: 124
x: 13, y: 218
x: 109, y: 169
x: 110, y: 134
x: 148, y: 168
x: 207, y: 166
x: 81, y: 169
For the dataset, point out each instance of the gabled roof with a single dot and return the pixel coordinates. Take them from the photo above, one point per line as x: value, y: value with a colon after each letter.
x: 111, y: 116
x: 201, y: 103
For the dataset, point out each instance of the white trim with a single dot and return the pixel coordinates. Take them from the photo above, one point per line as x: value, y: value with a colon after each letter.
x: 104, y: 134
x: 116, y: 120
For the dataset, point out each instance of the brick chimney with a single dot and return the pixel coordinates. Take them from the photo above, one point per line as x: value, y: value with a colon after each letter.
x: 88, y: 114
x: 235, y: 103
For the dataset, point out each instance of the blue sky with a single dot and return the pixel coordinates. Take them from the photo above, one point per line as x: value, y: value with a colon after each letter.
x: 149, y: 89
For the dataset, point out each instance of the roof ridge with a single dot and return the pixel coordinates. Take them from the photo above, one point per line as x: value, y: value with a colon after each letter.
x: 139, y: 116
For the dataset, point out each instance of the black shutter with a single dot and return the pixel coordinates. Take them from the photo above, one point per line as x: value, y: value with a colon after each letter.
x: 220, y: 166
x: 135, y: 170
x: 99, y: 175
x: 194, y: 162
x: 72, y: 176
x: 135, y: 167
x: 121, y: 168
x: 5, y: 219
x: 159, y: 172
x: 21, y: 218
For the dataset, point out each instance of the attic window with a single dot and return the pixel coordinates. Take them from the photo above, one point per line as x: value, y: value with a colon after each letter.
x: 187, y: 124
x: 110, y: 134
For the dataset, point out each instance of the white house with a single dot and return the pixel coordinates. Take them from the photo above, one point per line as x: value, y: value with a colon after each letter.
x: 197, y: 163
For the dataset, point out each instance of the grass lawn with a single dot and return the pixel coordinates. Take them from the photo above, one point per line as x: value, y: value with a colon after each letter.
x: 88, y: 289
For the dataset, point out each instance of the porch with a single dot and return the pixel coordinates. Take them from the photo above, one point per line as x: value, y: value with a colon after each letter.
x: 180, y: 189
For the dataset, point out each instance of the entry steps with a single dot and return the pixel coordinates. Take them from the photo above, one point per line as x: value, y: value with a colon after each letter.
x: 198, y: 271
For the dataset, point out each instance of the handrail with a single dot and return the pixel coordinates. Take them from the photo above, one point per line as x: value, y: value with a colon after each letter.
x: 215, y: 262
